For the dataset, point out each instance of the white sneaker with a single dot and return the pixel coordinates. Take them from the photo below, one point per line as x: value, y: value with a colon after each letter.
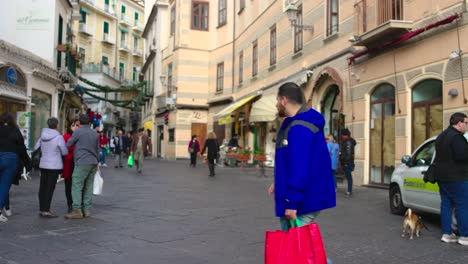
x: 7, y: 212
x: 3, y: 218
x: 463, y: 241
x: 104, y: 165
x: 449, y: 238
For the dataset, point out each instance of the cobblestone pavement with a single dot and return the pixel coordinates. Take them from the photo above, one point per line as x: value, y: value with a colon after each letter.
x: 175, y: 214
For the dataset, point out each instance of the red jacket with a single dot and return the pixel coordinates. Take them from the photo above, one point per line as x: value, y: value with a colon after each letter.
x: 68, y: 159
x: 103, y: 141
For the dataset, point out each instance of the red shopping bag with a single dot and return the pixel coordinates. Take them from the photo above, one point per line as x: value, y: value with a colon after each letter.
x: 299, y: 245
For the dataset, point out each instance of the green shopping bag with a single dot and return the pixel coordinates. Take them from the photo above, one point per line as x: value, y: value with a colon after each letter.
x: 130, y: 161
x: 107, y: 149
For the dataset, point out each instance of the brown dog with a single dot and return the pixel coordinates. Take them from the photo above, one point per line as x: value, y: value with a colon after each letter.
x: 414, y: 222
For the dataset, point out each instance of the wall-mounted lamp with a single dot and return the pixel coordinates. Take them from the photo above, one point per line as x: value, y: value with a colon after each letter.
x: 292, y: 10
x: 453, y: 92
x: 455, y: 54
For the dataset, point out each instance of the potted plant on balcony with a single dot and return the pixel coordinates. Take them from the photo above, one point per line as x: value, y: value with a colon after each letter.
x: 61, y: 47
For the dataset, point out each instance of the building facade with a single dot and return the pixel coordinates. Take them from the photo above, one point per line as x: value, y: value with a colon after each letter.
x: 35, y: 77
x: 110, y: 47
x: 391, y: 71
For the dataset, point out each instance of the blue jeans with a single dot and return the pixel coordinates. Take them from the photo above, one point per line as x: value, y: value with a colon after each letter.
x: 347, y: 169
x: 102, y: 157
x: 454, y: 194
x: 8, y: 168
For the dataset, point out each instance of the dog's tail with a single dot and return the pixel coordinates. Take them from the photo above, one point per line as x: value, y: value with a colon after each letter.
x: 409, y: 212
x: 422, y: 223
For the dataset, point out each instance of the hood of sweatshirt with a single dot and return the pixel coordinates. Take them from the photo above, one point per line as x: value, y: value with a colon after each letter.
x: 48, y: 134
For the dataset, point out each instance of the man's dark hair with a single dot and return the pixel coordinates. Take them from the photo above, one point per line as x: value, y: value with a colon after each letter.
x: 194, y: 136
x: 345, y: 132
x: 7, y: 118
x: 52, y: 123
x: 293, y: 92
x: 84, y: 119
x: 141, y: 129
x: 457, y: 118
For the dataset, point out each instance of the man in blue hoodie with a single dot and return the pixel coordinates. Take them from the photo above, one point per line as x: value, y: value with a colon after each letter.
x: 303, y: 180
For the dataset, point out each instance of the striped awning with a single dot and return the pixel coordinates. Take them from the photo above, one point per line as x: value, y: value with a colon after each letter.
x: 84, y: 10
x: 224, y: 116
x: 124, y: 30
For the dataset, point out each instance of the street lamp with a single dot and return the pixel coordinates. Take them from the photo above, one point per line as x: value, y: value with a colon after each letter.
x: 292, y: 10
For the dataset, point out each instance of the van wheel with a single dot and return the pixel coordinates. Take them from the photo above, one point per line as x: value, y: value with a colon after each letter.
x: 396, y: 201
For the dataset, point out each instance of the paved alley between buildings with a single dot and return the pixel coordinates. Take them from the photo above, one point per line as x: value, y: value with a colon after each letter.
x: 178, y: 215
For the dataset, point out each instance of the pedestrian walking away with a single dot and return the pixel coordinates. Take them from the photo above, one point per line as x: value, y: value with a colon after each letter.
x: 85, y: 156
x: 69, y: 164
x: 53, y: 150
x: 303, y: 177
x: 211, y: 144
x: 120, y: 147
x: 347, y: 158
x: 141, y: 146
x: 451, y: 167
x: 193, y: 149
x: 11, y: 147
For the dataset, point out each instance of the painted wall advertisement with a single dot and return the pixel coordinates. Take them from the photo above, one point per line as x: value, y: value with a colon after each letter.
x: 23, y: 120
x: 32, y: 15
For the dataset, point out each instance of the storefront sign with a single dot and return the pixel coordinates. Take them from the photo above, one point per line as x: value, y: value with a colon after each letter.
x: 12, y: 76
x: 32, y: 16
x: 23, y: 120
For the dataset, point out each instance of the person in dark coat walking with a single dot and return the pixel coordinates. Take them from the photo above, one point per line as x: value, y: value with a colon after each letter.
x: 213, y: 149
x: 11, y: 147
x: 347, y: 158
x: 121, y: 144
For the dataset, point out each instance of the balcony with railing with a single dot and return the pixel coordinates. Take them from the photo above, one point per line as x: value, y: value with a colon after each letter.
x: 389, y: 23
x: 109, y: 10
x: 137, y: 26
x: 124, y: 20
x: 123, y: 46
x: 102, y: 68
x: 137, y: 52
x: 107, y: 39
x: 85, y: 29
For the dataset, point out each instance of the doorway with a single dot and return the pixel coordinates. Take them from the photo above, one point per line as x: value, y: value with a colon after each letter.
x: 382, y: 134
x: 330, y: 110
x: 427, y: 111
x: 199, y: 129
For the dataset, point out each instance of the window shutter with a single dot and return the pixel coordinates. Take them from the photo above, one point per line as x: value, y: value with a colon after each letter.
x: 123, y: 9
x: 136, y: 16
x: 106, y: 27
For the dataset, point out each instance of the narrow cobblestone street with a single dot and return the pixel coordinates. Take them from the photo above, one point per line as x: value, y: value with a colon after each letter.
x: 175, y: 214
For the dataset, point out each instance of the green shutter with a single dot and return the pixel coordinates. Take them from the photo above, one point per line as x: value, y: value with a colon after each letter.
x: 136, y: 16
x: 134, y: 73
x: 123, y: 9
x: 105, y: 60
x: 106, y: 27
x: 106, y: 2
x: 122, y: 69
x: 124, y: 30
x: 83, y: 17
x: 136, y: 35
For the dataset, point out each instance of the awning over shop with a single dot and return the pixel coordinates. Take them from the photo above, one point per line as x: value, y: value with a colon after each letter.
x: 224, y: 116
x: 264, y: 110
x: 148, y: 125
x: 84, y: 10
x: 124, y: 30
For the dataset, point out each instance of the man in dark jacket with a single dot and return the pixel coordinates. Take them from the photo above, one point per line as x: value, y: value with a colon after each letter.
x: 303, y: 180
x: 121, y: 145
x: 347, y: 158
x: 451, y: 163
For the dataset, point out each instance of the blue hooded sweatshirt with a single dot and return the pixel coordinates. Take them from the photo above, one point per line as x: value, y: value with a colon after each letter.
x: 303, y: 175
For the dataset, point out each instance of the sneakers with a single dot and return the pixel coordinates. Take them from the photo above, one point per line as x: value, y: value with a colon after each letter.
x: 450, y: 238
x: 86, y: 213
x: 104, y: 165
x: 7, y: 212
x: 3, y: 218
x: 463, y: 241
